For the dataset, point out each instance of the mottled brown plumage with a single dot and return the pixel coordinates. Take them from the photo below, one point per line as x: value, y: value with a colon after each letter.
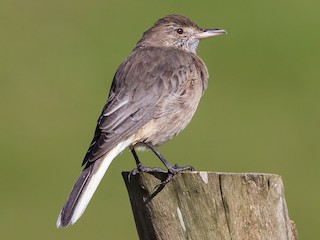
x: 154, y: 94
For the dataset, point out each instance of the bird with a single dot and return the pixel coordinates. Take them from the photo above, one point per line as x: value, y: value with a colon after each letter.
x: 153, y: 96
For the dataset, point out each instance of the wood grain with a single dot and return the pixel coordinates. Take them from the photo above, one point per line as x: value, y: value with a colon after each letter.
x: 208, y: 205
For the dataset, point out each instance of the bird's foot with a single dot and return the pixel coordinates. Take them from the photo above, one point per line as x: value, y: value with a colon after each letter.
x: 173, y: 171
x: 141, y: 168
x: 177, y: 168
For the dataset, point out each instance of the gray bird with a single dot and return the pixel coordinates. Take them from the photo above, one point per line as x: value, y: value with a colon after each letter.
x: 153, y: 96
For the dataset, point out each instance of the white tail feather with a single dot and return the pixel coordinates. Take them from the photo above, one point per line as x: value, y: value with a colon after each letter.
x: 94, y: 181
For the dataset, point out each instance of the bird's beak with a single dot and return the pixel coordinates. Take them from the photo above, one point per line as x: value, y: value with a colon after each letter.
x: 209, y: 33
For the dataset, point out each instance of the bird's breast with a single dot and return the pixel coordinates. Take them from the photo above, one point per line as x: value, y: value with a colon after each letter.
x: 173, y: 114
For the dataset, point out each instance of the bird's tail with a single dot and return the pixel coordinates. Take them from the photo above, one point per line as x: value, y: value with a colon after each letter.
x: 85, y: 187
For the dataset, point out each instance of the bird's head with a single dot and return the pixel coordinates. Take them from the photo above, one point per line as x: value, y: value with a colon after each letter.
x: 177, y: 31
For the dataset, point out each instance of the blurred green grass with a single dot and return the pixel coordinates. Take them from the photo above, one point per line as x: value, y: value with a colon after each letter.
x: 260, y: 113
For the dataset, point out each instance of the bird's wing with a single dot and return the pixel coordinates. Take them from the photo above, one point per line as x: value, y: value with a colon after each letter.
x: 145, y: 78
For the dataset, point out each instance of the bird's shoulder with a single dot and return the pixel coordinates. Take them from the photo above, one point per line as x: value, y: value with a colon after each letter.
x: 152, y: 64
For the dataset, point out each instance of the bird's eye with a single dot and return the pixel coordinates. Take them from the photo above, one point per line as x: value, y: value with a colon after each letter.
x: 179, y: 30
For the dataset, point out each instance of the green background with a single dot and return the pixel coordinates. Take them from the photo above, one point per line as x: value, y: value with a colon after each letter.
x: 57, y: 59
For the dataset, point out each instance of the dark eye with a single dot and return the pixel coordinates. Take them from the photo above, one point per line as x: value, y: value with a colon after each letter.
x: 179, y: 30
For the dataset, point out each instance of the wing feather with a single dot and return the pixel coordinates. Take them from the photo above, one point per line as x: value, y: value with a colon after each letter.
x: 141, y: 82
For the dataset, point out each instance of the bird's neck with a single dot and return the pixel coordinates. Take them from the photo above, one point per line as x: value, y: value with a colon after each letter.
x: 190, y: 47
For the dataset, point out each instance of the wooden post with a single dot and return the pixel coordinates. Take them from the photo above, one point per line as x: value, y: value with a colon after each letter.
x: 208, y: 205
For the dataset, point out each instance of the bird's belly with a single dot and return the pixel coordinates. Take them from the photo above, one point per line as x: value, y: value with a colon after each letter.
x: 173, y: 116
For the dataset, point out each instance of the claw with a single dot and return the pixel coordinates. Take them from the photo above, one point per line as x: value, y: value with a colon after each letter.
x: 171, y: 172
x: 141, y: 168
x: 186, y: 168
x: 176, y: 169
x: 163, y: 183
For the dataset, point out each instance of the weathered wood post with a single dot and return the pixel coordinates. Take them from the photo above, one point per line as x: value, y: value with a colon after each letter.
x: 208, y: 205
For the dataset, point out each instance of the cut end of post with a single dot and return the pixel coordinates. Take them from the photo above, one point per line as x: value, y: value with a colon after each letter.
x: 210, y: 205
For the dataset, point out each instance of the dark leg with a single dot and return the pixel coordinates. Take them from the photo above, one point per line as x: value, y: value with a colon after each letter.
x: 141, y: 167
x: 172, y: 170
x: 135, y: 157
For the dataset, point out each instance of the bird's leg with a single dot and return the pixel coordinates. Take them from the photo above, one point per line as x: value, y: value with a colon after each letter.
x: 140, y: 166
x: 172, y: 170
